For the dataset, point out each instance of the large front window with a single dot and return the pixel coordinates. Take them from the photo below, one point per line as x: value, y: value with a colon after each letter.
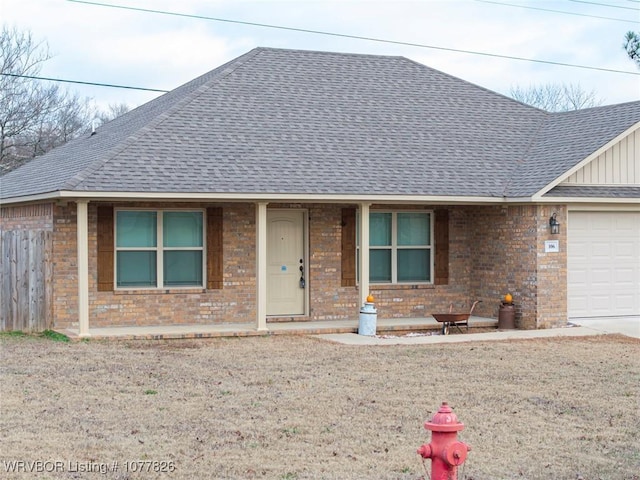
x: 159, y: 248
x: 400, y: 247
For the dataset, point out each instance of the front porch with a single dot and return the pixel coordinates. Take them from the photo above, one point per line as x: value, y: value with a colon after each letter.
x: 392, y: 326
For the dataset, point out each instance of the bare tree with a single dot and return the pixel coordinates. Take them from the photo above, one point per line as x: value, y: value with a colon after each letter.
x: 632, y: 46
x: 556, y: 98
x: 34, y: 116
x: 114, y: 110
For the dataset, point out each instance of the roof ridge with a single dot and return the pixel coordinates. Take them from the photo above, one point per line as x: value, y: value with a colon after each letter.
x: 225, y: 70
x: 475, y: 85
x: 588, y: 110
x: 325, y: 52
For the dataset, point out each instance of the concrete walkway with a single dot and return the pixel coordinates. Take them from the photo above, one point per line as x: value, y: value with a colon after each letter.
x: 629, y: 326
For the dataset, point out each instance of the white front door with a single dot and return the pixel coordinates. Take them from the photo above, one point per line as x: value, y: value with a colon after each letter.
x: 286, y: 269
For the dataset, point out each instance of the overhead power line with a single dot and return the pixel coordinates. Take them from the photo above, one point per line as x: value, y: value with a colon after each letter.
x: 605, y: 5
x: 95, y: 84
x: 343, y: 35
x: 552, y: 11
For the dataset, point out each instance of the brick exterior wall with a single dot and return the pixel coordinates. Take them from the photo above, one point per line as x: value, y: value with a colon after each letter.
x: 492, y: 250
x: 234, y: 303
x: 551, y: 270
x: 416, y: 301
x: 508, y: 257
x: 27, y: 217
x: 329, y: 300
x: 65, y: 266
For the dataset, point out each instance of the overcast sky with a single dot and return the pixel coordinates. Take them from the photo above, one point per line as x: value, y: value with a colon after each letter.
x: 102, y: 44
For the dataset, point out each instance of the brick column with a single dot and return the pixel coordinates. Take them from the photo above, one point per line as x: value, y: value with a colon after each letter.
x: 551, y: 271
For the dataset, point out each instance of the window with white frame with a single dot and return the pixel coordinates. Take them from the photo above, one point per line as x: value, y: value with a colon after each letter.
x: 400, y: 247
x: 159, y: 248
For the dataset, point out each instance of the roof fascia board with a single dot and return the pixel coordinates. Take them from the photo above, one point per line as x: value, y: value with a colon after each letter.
x: 537, y: 196
x: 31, y: 198
x: 585, y: 200
x: 270, y: 197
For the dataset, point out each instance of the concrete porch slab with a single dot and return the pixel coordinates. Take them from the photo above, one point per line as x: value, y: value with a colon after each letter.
x: 160, y: 332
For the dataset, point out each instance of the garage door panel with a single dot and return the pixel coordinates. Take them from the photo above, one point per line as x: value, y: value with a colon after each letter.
x: 580, y: 251
x: 624, y: 302
x: 603, y: 264
x: 624, y: 277
x: 600, y: 302
x: 624, y: 251
x: 600, y: 278
x: 600, y: 251
x: 625, y: 222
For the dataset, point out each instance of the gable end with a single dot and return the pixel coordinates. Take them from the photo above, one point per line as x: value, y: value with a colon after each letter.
x: 617, y: 165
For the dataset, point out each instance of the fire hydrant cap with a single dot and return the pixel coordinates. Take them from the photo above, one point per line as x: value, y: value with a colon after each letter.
x: 444, y: 421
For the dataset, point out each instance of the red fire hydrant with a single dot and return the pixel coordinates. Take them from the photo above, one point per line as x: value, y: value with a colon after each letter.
x: 445, y: 451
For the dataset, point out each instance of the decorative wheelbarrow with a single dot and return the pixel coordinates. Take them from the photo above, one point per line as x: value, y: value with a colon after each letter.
x: 449, y: 320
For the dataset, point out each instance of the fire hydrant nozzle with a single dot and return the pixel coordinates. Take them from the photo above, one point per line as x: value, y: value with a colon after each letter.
x: 445, y: 451
x: 425, y: 451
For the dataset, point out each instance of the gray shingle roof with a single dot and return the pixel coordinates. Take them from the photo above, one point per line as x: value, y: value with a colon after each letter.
x: 290, y: 121
x: 588, y: 191
x: 567, y: 138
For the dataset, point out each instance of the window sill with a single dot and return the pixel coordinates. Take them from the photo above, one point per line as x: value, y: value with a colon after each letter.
x: 159, y: 291
x: 401, y: 286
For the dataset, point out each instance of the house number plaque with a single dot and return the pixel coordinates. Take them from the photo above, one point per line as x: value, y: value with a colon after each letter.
x: 551, y: 246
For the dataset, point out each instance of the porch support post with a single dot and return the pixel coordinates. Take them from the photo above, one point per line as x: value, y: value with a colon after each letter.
x: 82, y: 227
x: 261, y: 266
x: 363, y: 274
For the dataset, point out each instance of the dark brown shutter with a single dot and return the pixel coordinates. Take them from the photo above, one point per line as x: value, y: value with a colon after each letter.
x: 214, y: 248
x: 348, y: 247
x: 442, y: 247
x: 105, y: 249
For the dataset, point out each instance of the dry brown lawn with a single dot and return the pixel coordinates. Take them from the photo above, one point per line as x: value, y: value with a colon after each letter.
x: 302, y: 408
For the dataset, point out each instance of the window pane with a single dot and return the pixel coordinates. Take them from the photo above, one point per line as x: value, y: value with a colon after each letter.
x: 136, y: 229
x: 413, y: 229
x: 380, y: 266
x: 182, y: 229
x: 136, y: 269
x: 379, y: 229
x: 183, y: 267
x: 414, y: 265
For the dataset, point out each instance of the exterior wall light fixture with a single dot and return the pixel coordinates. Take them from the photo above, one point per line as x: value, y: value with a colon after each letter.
x: 554, y: 224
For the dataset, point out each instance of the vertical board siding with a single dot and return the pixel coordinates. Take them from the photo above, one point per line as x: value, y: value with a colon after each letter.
x: 618, y: 165
x: 26, y: 279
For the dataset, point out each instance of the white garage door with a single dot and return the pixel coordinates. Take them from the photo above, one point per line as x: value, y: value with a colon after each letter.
x: 603, y: 264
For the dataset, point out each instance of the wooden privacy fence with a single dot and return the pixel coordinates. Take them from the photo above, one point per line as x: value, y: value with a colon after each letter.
x: 26, y: 280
